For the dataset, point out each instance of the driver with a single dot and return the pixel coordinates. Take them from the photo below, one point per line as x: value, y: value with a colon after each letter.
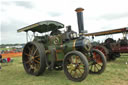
x: 55, y: 32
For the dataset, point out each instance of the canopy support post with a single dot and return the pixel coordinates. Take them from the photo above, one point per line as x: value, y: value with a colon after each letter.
x: 27, y: 36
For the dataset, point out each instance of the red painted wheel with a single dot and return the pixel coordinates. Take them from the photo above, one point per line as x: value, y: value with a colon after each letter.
x: 97, y: 62
x: 104, y: 50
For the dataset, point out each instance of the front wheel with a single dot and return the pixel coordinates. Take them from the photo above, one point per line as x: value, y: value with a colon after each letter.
x: 75, y: 66
x: 97, y: 63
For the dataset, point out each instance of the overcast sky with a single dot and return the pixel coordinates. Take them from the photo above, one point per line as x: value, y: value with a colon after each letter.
x: 99, y: 15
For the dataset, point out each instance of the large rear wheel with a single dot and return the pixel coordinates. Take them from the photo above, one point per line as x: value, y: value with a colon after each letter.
x: 34, y: 58
x: 75, y: 66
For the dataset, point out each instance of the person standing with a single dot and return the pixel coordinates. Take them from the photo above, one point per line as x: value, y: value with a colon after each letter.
x: 0, y: 61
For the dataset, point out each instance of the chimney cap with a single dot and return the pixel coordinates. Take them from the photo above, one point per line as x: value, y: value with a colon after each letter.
x: 79, y: 9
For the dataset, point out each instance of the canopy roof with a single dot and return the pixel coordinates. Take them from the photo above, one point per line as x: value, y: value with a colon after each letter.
x: 114, y: 31
x: 43, y: 26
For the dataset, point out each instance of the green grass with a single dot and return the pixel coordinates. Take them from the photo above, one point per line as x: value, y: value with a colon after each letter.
x: 5, y: 49
x: 116, y: 73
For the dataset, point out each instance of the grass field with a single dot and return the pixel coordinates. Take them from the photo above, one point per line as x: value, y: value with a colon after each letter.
x: 116, y: 73
x: 3, y: 49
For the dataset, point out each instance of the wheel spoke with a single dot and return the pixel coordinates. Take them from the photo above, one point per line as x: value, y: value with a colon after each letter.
x: 97, y: 67
x: 36, y: 56
x: 29, y: 48
x: 28, y: 62
x: 75, y: 74
x: 76, y: 57
x: 81, y: 64
x: 26, y: 54
x: 80, y: 71
x: 71, y: 71
x: 72, y: 60
x: 81, y: 68
x: 35, y: 52
x: 37, y: 61
x: 31, y: 52
x: 91, y: 67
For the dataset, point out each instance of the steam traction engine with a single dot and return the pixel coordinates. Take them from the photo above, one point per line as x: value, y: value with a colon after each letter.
x: 58, y: 50
x: 110, y: 47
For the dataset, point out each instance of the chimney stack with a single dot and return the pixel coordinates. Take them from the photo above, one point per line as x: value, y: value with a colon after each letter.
x: 80, y: 19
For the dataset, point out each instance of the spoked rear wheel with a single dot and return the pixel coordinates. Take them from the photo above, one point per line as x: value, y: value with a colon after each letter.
x: 97, y: 64
x: 34, y: 58
x: 75, y: 66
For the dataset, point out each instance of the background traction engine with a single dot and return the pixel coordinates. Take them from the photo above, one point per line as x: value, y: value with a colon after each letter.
x: 59, y: 51
x: 110, y: 47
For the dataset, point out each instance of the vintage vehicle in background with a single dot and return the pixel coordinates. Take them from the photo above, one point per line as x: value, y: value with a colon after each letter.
x: 59, y: 50
x: 110, y: 47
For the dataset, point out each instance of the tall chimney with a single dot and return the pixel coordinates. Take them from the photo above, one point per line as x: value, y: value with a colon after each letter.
x: 80, y: 19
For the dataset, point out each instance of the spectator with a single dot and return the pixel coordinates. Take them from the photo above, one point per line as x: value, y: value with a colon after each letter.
x: 0, y: 57
x: 118, y: 40
x: 0, y: 60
